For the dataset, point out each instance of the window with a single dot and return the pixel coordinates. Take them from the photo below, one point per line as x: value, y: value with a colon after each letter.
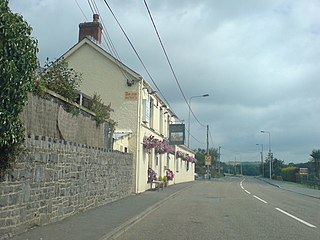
x: 149, y: 156
x: 146, y: 110
x: 156, y: 159
x: 177, y: 164
x: 161, y: 121
x: 151, y: 113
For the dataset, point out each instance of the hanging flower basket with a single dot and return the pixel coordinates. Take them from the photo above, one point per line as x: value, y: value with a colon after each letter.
x: 159, y: 146
x: 180, y: 154
x: 150, y: 142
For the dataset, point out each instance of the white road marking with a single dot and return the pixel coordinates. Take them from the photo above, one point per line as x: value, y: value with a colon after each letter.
x: 260, y: 199
x: 247, y: 191
x: 243, y: 187
x: 280, y: 210
x: 241, y: 184
x: 298, y: 219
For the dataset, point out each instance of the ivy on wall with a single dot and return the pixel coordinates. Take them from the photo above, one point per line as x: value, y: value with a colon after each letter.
x: 18, y: 61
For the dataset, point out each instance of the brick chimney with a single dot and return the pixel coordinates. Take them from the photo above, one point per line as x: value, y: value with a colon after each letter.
x: 91, y: 29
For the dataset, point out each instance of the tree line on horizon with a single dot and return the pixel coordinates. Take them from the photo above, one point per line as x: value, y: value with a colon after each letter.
x: 288, y: 172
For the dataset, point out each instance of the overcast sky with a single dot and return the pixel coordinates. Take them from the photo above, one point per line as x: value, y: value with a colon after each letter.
x: 258, y: 61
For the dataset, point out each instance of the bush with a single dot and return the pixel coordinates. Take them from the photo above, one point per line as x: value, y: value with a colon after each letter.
x: 18, y: 60
x: 289, y: 173
x: 59, y: 78
x: 102, y: 111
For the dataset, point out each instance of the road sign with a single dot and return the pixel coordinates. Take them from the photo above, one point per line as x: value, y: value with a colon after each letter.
x: 207, y: 160
x: 303, y: 170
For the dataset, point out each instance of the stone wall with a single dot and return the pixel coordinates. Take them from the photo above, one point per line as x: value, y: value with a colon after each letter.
x: 55, y: 179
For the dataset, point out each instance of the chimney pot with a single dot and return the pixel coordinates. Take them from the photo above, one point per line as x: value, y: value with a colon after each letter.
x: 96, y: 17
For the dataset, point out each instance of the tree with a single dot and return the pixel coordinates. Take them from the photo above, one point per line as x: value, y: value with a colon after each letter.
x: 316, y: 161
x: 251, y: 168
x: 18, y: 60
x: 200, y: 156
x: 277, y: 164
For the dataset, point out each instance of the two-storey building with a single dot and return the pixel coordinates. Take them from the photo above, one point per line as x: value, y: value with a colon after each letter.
x: 140, y: 113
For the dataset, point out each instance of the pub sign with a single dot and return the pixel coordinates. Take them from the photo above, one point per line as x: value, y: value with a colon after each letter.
x: 176, y: 134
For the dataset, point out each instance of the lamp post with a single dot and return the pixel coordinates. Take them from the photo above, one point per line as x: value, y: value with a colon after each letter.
x: 261, y: 154
x: 270, y: 159
x: 198, y: 96
x: 219, y: 160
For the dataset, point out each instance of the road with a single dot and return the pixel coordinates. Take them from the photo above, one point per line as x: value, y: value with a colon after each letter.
x: 231, y: 208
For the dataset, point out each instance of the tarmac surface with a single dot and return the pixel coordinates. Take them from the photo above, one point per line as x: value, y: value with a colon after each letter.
x: 111, y: 220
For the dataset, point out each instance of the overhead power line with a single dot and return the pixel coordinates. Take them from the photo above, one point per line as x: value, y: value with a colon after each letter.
x: 81, y: 9
x: 107, y: 39
x: 145, y: 68
x: 170, y: 65
x: 137, y: 54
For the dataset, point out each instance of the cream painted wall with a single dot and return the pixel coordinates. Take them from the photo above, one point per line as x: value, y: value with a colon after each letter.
x: 102, y: 76
x: 181, y: 172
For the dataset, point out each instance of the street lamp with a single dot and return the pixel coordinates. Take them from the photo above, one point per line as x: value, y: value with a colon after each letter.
x: 199, y: 96
x: 270, y: 159
x: 219, y: 159
x: 261, y: 153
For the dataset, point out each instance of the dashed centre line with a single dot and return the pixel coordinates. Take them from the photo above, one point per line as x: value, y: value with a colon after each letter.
x: 296, y: 218
x: 260, y: 199
x: 278, y: 209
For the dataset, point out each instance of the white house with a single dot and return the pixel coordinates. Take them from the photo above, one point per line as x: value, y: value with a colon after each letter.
x: 138, y: 110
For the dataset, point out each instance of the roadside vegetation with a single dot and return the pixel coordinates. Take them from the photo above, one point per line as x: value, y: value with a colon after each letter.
x: 18, y: 60
x: 280, y: 171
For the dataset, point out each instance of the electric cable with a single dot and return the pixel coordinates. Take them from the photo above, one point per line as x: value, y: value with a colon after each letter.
x: 170, y: 65
x: 81, y: 9
x: 137, y: 54
x: 107, y: 39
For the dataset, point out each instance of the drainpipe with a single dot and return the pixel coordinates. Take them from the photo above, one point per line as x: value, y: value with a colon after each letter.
x: 138, y: 144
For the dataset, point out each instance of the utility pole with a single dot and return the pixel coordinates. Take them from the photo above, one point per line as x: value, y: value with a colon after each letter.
x: 269, y: 154
x: 219, y: 159
x: 208, y: 167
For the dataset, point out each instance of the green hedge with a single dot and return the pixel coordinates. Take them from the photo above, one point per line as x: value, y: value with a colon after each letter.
x: 289, y: 173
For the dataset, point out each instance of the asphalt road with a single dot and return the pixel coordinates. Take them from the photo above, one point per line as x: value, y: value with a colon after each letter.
x: 231, y: 208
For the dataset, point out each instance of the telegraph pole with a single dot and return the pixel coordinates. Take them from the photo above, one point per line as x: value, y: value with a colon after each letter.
x: 208, y: 167
x: 219, y: 159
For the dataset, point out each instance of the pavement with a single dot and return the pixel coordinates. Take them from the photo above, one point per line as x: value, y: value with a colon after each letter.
x: 111, y: 220
x: 107, y: 221
x: 293, y: 187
